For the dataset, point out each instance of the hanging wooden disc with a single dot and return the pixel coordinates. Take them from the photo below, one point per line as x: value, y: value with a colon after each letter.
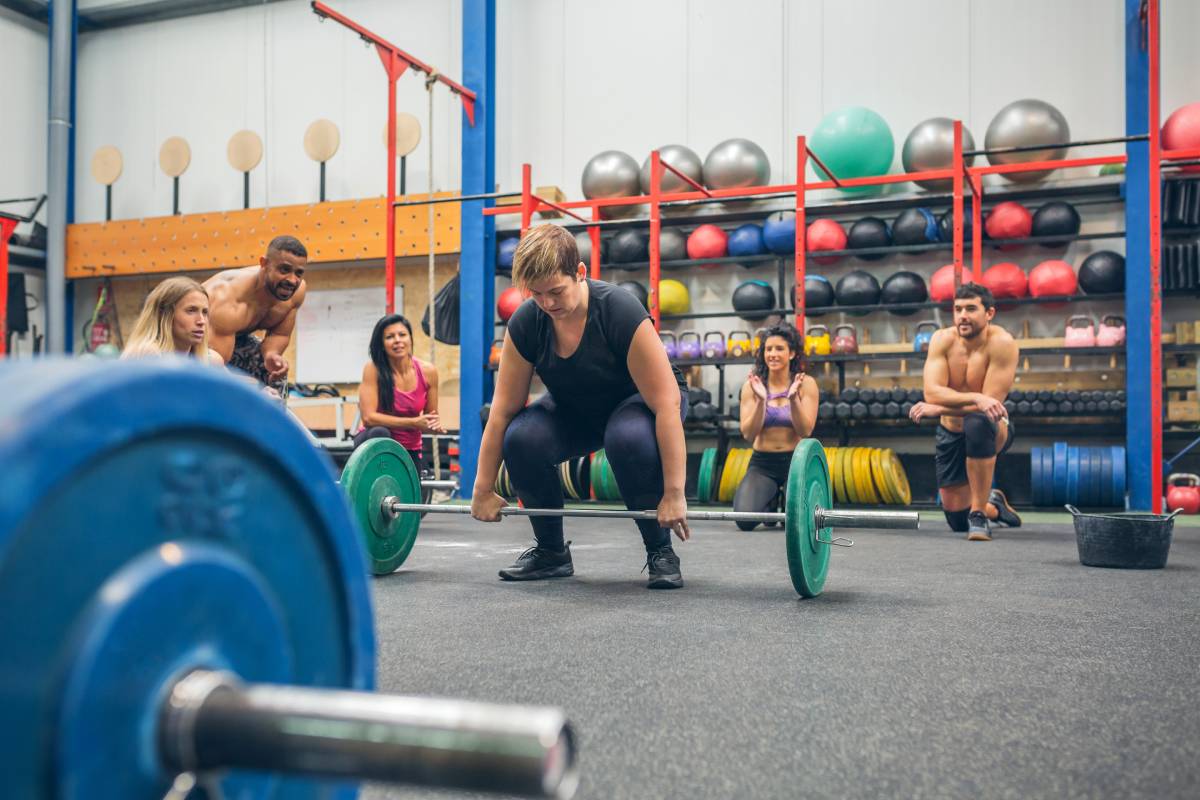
x: 174, y: 156
x: 408, y: 133
x: 244, y: 151
x: 107, y: 165
x: 321, y: 140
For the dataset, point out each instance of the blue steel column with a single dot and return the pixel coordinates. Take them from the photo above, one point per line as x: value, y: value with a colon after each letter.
x: 1139, y: 359
x: 477, y: 263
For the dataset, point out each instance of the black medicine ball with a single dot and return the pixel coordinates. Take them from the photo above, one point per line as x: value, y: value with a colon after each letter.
x: 946, y: 225
x: 629, y: 247
x: 638, y: 291
x: 904, y: 287
x: 869, y: 232
x: 753, y: 295
x: 1102, y: 272
x: 858, y: 288
x: 915, y: 226
x: 1056, y: 218
x: 818, y: 293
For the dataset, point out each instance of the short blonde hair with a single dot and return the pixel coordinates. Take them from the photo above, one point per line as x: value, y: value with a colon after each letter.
x: 152, y: 333
x: 543, y: 252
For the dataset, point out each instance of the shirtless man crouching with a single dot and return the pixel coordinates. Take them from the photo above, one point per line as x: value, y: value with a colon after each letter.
x: 250, y: 299
x: 968, y: 374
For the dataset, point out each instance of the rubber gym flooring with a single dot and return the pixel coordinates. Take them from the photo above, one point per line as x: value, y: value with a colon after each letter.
x: 930, y: 667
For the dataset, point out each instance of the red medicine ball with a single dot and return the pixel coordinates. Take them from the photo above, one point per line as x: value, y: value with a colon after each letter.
x: 1009, y: 220
x: 941, y: 285
x: 707, y: 241
x: 508, y: 301
x: 825, y: 234
x: 1051, y: 278
x: 1006, y: 280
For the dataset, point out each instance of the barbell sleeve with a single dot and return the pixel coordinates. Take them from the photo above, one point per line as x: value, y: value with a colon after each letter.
x: 212, y: 721
x: 852, y: 518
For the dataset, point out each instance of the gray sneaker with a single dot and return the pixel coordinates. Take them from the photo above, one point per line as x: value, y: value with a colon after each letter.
x: 977, y: 527
x: 1005, y: 514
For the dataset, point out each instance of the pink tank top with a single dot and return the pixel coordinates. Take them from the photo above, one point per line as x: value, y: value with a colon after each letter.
x: 410, y: 404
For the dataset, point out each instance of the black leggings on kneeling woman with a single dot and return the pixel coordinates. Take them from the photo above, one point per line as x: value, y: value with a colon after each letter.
x: 766, y: 476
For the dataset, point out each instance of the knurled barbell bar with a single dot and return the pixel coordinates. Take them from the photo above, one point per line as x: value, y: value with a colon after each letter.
x: 380, y: 476
x: 184, y: 602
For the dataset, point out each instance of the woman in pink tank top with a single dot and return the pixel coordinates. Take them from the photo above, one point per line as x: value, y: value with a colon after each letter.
x: 398, y: 396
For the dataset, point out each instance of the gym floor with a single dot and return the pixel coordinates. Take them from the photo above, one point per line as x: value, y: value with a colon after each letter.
x: 930, y: 667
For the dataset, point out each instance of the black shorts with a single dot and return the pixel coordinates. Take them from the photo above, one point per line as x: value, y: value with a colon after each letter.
x: 247, y: 357
x: 950, y: 454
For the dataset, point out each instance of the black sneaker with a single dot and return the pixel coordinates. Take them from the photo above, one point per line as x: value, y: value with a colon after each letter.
x: 1005, y: 514
x: 977, y: 527
x: 664, y: 569
x: 540, y: 562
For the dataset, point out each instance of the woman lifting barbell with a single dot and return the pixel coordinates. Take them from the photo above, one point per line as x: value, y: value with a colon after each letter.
x: 778, y: 409
x: 609, y: 384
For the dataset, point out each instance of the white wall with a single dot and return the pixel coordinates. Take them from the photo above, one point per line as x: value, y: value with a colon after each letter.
x: 272, y: 69
x: 24, y: 63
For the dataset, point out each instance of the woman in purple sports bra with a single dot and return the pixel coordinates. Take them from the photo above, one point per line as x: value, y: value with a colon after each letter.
x: 398, y: 396
x: 778, y: 409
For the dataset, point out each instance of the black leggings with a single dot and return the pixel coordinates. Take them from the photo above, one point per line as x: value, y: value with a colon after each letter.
x: 543, y: 435
x: 765, y: 478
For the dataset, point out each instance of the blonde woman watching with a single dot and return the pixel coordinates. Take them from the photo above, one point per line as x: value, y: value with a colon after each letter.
x: 173, y: 321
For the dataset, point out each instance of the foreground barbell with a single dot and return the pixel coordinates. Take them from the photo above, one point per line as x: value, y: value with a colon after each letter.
x: 183, y: 601
x: 380, y: 480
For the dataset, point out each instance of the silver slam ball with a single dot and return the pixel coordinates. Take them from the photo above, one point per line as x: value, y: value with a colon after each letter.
x: 583, y: 243
x: 681, y: 158
x: 610, y: 174
x: 672, y: 245
x: 930, y: 145
x: 736, y: 163
x: 1023, y: 123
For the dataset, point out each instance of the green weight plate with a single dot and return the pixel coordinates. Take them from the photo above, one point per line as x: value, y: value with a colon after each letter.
x: 704, y: 476
x: 377, y: 469
x: 594, y: 476
x: 609, y: 481
x: 808, y: 489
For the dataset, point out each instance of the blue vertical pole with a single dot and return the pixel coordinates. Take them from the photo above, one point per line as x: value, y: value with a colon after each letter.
x: 1139, y: 359
x: 477, y: 262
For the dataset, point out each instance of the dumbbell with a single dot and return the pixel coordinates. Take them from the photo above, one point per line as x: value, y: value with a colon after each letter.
x: 1045, y: 395
x: 825, y: 410
x: 1091, y: 407
x: 842, y: 410
x: 915, y: 395
x: 892, y: 409
x: 1037, y: 407
x: 1073, y: 396
x: 858, y: 410
x: 1058, y: 396
x: 1024, y: 408
x: 905, y: 407
x: 898, y: 395
x: 1051, y: 408
x: 866, y: 396
x: 875, y: 409
x: 1010, y: 407
x: 849, y: 395
x: 1066, y: 407
x: 1103, y: 406
x: 1016, y: 395
x: 703, y: 412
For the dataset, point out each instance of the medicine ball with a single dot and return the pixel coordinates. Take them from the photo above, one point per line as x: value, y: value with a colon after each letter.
x: 869, y: 232
x: 638, y: 291
x: 1102, y: 272
x: 508, y: 301
x: 915, y: 226
x: 746, y: 240
x: 1009, y: 220
x: 818, y: 293
x: 946, y: 225
x: 707, y: 241
x: 857, y: 288
x: 673, y: 297
x: 1006, y: 280
x: 672, y: 246
x: 941, y: 285
x: 505, y: 250
x: 1052, y: 277
x: 1056, y: 218
x: 629, y: 247
x: 779, y: 232
x: 904, y: 287
x: 753, y: 295
x: 825, y: 234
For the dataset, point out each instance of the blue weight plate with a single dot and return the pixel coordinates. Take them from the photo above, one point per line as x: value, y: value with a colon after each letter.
x: 1073, y: 475
x: 160, y: 516
x: 1059, y: 475
x: 1106, y: 492
x: 1047, y: 481
x: 1119, y: 476
x: 1085, y: 478
x: 1097, y: 487
x: 1039, y: 476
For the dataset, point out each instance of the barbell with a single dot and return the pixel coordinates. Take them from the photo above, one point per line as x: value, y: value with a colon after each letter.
x: 380, y: 478
x: 184, y: 603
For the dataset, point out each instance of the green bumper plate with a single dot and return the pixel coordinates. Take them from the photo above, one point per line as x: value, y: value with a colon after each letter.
x: 808, y: 489
x: 377, y: 469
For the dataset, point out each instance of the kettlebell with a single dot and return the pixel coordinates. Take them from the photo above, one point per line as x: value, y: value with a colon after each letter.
x: 494, y: 355
x: 1183, y: 493
x: 1112, y: 331
x: 924, y: 335
x: 1081, y: 332
x: 689, y: 345
x: 670, y: 344
x: 760, y: 336
x: 816, y: 342
x: 713, y: 345
x: 845, y: 343
x: 739, y: 344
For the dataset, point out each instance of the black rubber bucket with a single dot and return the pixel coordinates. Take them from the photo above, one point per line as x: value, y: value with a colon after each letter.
x: 1123, y: 541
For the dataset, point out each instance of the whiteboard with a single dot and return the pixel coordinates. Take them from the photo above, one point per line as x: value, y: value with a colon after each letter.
x: 333, y: 331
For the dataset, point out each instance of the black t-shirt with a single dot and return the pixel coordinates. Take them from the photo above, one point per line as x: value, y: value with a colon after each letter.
x: 595, y: 378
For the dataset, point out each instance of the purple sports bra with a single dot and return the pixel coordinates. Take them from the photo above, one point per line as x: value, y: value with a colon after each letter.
x: 777, y: 416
